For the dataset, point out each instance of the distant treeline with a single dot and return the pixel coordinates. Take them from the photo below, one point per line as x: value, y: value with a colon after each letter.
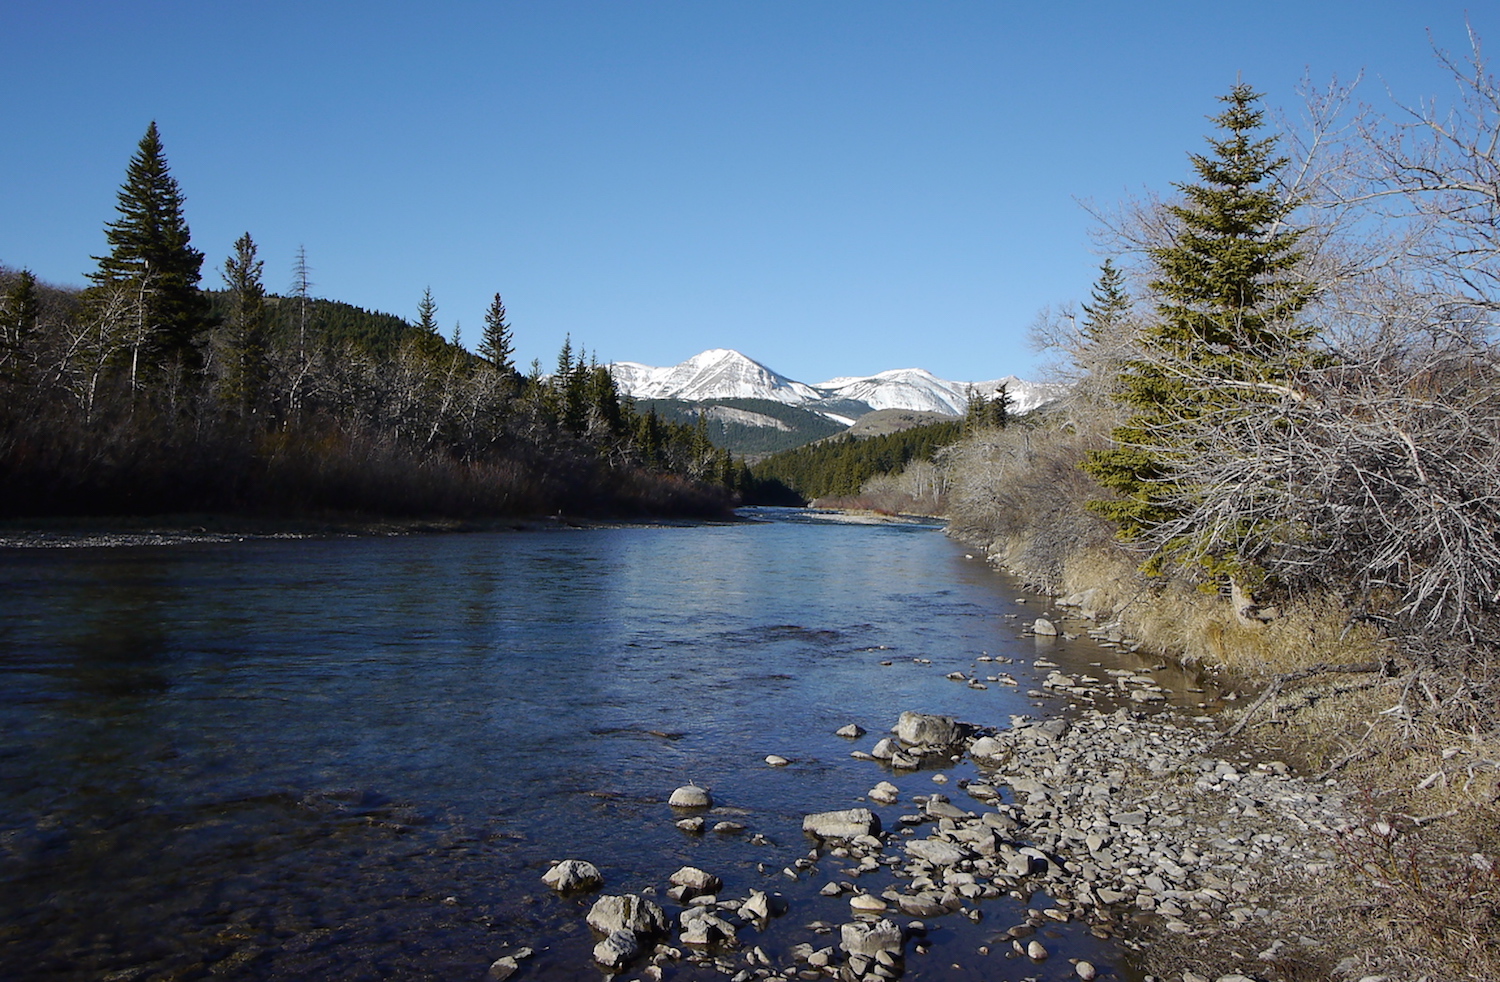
x: 841, y: 465
x: 145, y: 394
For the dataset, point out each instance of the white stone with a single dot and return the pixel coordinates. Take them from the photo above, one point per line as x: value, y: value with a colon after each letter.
x: 690, y: 796
x: 573, y: 874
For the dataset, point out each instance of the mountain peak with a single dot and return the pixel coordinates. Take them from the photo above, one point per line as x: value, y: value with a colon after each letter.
x: 723, y: 373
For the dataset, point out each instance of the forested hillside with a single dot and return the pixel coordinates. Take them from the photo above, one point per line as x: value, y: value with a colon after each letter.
x: 842, y: 465
x: 144, y: 393
x: 748, y: 427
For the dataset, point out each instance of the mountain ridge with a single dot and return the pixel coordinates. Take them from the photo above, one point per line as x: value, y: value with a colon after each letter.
x: 723, y: 373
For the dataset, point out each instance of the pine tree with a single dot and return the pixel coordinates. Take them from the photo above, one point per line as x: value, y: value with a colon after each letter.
x: 151, y: 255
x: 496, y: 346
x: 1226, y: 314
x: 242, y: 337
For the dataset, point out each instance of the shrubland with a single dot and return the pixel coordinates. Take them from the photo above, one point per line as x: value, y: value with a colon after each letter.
x: 1280, y: 462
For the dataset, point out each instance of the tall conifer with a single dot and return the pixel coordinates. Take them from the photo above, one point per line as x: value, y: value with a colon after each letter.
x: 151, y: 255
x: 1227, y: 302
x: 496, y: 347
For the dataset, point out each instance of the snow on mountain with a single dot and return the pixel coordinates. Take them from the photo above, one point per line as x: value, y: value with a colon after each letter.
x: 715, y: 374
x: 725, y: 374
x: 902, y: 388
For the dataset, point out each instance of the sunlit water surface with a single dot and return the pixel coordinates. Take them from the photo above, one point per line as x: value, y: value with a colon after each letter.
x: 354, y: 758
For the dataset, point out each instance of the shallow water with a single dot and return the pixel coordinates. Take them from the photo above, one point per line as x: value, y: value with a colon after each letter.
x: 354, y: 758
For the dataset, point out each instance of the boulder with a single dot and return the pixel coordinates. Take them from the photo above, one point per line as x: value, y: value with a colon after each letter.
x: 845, y: 824
x: 573, y: 874
x: 921, y: 729
x: 690, y: 796
x: 695, y: 882
x: 757, y: 906
x: 986, y: 746
x: 631, y: 913
x: 935, y: 851
x: 852, y: 731
x: 617, y: 949
x: 885, y: 793
x: 1043, y: 628
x: 867, y: 939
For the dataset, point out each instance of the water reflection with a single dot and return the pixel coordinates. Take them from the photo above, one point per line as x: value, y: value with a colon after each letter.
x: 352, y: 758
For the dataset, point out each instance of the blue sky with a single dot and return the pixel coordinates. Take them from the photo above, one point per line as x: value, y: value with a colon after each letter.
x: 834, y: 187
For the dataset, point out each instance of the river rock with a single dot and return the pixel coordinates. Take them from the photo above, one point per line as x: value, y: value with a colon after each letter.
x: 867, y: 903
x: 617, y: 949
x: 776, y: 760
x: 869, y: 938
x: 757, y: 906
x: 629, y: 913
x: 885, y: 793
x: 1086, y: 971
x: 695, y: 882
x: 502, y: 968
x: 846, y: 824
x: 573, y: 874
x: 921, y: 729
x: 1044, y: 628
x: 852, y: 731
x: 884, y: 749
x: 690, y: 796
x: 935, y: 851
x: 1036, y: 951
x: 986, y: 747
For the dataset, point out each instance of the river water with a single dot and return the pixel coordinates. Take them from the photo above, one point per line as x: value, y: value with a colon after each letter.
x: 353, y: 758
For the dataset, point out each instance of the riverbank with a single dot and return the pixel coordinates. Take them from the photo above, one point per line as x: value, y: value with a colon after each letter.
x: 1401, y: 879
x: 168, y: 530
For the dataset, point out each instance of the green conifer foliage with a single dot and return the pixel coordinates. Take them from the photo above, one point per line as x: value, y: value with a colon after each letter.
x: 1109, y: 306
x: 1227, y: 302
x: 496, y: 346
x: 150, y: 255
x: 243, y: 340
x: 427, y: 313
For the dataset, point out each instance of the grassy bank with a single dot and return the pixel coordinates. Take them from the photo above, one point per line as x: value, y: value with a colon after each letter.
x: 1404, y: 726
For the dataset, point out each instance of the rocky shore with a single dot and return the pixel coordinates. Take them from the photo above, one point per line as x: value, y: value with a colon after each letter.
x: 1132, y: 826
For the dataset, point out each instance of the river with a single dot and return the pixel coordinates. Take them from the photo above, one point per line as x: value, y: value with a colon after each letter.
x: 353, y: 758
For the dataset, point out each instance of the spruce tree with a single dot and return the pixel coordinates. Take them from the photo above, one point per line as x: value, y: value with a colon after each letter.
x: 427, y: 314
x: 1227, y: 302
x: 1109, y: 306
x: 496, y: 347
x: 243, y: 335
x: 151, y: 255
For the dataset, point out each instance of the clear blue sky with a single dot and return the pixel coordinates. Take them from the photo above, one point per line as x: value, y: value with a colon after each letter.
x: 833, y: 187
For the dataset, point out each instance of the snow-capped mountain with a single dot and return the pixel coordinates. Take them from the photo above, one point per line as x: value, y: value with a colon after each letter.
x: 715, y: 374
x: 725, y: 374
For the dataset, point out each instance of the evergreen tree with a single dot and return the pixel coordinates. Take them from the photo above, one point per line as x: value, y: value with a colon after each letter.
x: 427, y: 314
x: 242, y: 337
x: 1109, y: 306
x: 1226, y: 309
x: 151, y: 255
x: 496, y: 345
